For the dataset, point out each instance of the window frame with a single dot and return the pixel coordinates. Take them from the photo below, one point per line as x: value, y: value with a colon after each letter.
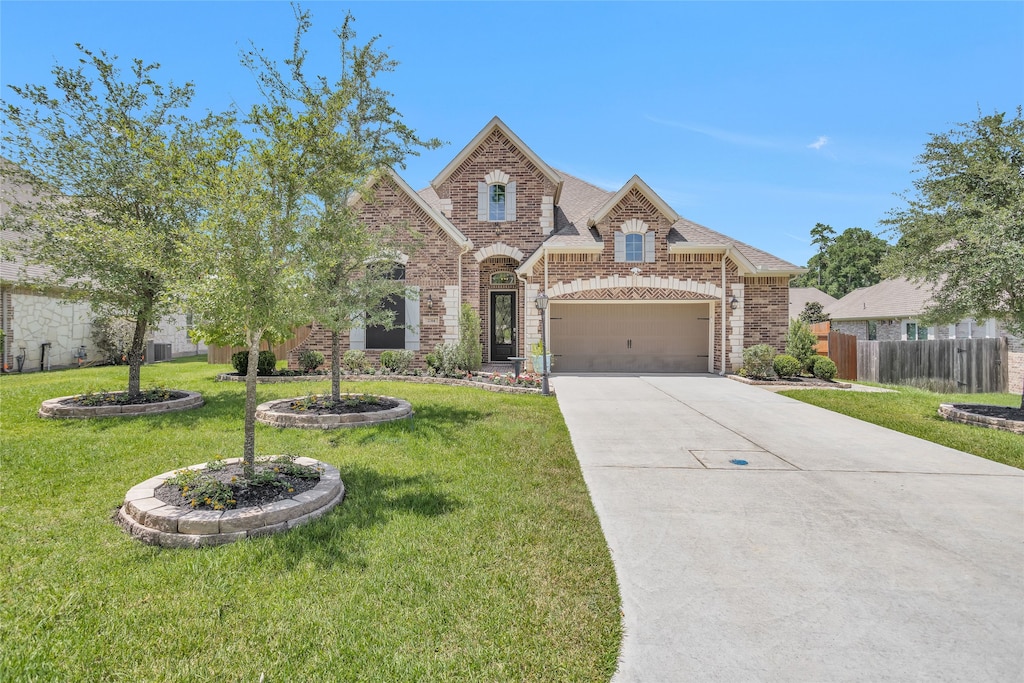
x: 633, y: 242
x: 493, y: 204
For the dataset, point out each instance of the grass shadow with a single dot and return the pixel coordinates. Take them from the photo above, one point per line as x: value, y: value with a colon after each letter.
x: 372, y: 499
x: 429, y: 420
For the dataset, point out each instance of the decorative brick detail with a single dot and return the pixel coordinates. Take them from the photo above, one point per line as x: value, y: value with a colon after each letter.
x: 547, y: 214
x: 634, y: 225
x: 499, y: 249
x: 736, y: 336
x: 497, y: 177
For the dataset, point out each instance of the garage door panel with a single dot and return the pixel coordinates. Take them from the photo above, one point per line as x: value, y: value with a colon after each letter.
x: 630, y: 337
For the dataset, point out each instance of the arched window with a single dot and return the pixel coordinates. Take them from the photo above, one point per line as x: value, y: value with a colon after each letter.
x: 496, y: 203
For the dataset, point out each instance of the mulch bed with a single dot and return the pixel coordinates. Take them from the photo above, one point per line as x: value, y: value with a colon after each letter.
x: 120, y: 398
x: 244, y: 494
x: 324, y: 405
x: 1002, y: 412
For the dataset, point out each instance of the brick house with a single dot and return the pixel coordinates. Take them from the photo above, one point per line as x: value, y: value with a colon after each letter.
x: 890, y: 311
x: 633, y: 286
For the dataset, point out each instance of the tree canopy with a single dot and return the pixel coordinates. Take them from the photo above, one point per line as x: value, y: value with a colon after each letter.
x: 962, y: 229
x: 106, y: 158
x: 844, y: 262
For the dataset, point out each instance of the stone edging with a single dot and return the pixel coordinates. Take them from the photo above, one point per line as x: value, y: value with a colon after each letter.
x: 416, y: 379
x: 783, y: 383
x: 268, y: 413
x: 55, y: 408
x: 954, y: 414
x: 155, y: 522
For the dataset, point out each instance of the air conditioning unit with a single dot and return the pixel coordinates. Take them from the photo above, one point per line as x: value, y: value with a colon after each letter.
x: 161, y: 352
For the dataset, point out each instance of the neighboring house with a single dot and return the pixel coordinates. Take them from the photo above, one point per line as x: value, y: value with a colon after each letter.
x: 35, y: 318
x: 632, y: 285
x: 799, y: 297
x: 890, y: 311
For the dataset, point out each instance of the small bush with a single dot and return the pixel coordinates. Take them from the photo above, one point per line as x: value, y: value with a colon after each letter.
x: 757, y: 361
x: 824, y: 368
x: 397, y: 361
x: 800, y: 343
x: 433, y: 361
x: 470, y: 348
x: 448, y: 359
x: 310, y: 360
x: 786, y: 366
x: 354, y: 360
x: 266, y: 362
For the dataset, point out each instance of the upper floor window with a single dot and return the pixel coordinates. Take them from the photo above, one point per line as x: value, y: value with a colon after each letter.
x: 496, y: 203
x: 496, y: 197
x: 634, y: 242
x: 634, y: 247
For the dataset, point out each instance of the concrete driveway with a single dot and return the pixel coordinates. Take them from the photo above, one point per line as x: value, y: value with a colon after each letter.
x: 841, y: 551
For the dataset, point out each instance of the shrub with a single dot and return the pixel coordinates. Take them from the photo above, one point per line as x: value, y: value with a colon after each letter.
x: 310, y: 360
x: 824, y: 368
x: 786, y: 366
x: 433, y: 361
x: 448, y: 359
x: 113, y: 338
x: 266, y: 362
x: 800, y: 342
x: 397, y: 361
x: 757, y: 361
x: 470, y: 348
x: 354, y: 360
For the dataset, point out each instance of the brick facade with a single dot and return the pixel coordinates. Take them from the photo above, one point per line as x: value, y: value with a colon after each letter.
x: 451, y: 275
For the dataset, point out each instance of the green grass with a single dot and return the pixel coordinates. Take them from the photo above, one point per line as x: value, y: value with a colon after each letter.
x: 467, y: 548
x: 915, y: 411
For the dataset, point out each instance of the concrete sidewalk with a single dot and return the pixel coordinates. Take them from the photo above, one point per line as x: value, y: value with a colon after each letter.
x: 840, y: 551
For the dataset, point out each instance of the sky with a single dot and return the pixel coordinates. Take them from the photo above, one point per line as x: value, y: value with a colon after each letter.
x: 757, y: 120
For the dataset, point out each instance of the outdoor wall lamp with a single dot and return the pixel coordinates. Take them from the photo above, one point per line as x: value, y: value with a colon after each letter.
x: 734, y: 304
x: 430, y: 301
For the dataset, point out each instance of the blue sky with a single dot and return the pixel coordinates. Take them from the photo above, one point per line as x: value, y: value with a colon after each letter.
x: 755, y: 119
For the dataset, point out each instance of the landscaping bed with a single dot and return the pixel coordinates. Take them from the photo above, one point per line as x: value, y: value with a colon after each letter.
x: 118, y: 403
x: 322, y: 412
x: 466, y: 548
x: 1006, y: 418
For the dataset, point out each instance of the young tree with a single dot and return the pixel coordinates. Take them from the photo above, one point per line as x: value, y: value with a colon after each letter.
x: 108, y: 160
x: 800, y: 342
x: 962, y: 231
x: 251, y: 281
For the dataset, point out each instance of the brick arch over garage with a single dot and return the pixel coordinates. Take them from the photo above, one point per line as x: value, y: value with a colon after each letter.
x: 624, y: 288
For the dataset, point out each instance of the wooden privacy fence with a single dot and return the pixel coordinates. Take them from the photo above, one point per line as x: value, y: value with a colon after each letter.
x: 222, y: 354
x: 842, y: 349
x: 821, y: 331
x: 968, y: 366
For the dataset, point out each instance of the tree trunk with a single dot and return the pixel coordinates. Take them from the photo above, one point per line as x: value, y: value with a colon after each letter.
x: 249, y: 447
x: 335, y: 367
x: 135, y: 354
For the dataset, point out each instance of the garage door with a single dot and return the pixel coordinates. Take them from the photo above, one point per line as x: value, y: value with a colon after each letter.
x: 628, y: 337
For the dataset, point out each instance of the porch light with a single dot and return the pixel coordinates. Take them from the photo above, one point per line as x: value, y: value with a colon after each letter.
x: 542, y: 301
x: 430, y: 301
x: 734, y: 304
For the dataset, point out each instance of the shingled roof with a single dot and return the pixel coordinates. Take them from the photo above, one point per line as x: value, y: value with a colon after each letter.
x: 895, y: 298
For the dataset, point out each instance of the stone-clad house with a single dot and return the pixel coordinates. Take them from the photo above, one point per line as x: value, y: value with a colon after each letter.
x: 633, y: 286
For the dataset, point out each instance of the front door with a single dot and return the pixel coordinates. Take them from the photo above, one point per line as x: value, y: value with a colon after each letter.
x: 503, y: 325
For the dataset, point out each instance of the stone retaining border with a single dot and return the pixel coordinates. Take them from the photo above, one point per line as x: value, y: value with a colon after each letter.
x: 416, y: 379
x: 784, y: 383
x: 269, y: 414
x: 155, y: 522
x: 54, y: 407
x: 954, y: 414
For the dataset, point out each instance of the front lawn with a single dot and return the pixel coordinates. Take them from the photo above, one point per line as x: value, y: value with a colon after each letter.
x: 466, y: 549
x: 915, y: 411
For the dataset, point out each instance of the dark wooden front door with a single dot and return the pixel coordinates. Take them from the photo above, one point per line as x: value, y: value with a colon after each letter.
x: 503, y: 325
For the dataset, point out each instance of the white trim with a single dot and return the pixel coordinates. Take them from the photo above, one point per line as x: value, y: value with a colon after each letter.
x: 497, y: 177
x: 469, y: 149
x: 635, y: 182
x: 634, y: 225
x: 707, y: 289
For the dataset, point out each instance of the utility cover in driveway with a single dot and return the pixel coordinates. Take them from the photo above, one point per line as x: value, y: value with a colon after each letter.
x: 630, y: 337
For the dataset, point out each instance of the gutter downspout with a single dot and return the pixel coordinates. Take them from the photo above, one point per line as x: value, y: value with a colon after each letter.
x: 722, y: 373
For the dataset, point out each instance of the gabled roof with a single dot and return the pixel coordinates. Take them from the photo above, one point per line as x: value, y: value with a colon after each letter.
x: 433, y: 212
x: 581, y: 201
x: 645, y: 189
x: 548, y: 172
x: 895, y: 298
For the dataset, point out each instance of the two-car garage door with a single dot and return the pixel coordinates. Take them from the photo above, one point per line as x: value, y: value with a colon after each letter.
x: 630, y: 337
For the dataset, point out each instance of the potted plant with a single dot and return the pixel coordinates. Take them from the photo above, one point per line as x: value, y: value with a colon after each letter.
x: 537, y: 357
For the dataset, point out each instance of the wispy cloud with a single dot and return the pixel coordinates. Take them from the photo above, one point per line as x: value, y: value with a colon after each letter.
x: 731, y: 137
x: 819, y: 143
